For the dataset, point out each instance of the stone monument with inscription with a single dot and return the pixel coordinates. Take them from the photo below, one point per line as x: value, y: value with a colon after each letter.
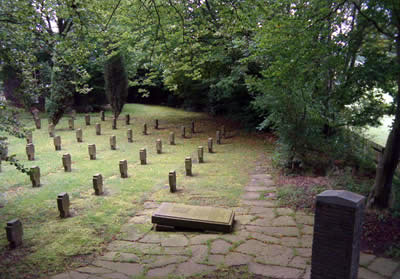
x: 98, y: 129
x: 200, y: 154
x: 34, y: 174
x: 113, y: 142
x: 172, y: 181
x: 210, y: 145
x: 92, y: 151
x: 123, y: 168
x: 57, y: 143
x: 129, y: 134
x: 63, y: 205
x: 188, y: 166
x: 145, y: 129
x: 98, y: 184
x: 14, y: 233
x: 30, y: 151
x: 159, y: 146
x: 79, y: 136
x: 66, y: 161
x: 143, y: 155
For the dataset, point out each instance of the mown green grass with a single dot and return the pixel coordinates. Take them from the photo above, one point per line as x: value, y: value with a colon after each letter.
x: 52, y: 244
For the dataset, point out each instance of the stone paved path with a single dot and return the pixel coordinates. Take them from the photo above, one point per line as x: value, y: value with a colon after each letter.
x: 273, y: 242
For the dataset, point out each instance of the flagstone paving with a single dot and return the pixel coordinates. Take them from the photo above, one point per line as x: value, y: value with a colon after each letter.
x: 273, y: 242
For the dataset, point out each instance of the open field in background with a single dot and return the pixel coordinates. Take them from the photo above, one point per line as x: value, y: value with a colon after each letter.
x: 380, y: 134
x: 52, y: 244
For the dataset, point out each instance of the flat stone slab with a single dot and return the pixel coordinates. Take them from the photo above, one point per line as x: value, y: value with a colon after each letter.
x: 131, y: 269
x: 384, y: 266
x: 259, y: 203
x: 251, y: 196
x: 259, y: 189
x: 194, y: 217
x: 191, y: 268
x: 233, y: 259
x: 278, y: 272
x: 364, y: 273
x: 161, y: 272
x: 220, y: 247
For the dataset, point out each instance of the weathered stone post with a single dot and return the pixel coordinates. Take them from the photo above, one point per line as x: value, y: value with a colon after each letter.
x: 63, y: 205
x: 223, y: 131
x: 14, y: 233
x: 71, y: 124
x: 98, y: 129
x: 30, y: 151
x: 28, y: 137
x: 123, y: 168
x: 38, y: 123
x: 102, y: 115
x: 79, y: 137
x: 143, y: 156
x: 113, y: 142
x: 172, y: 181
x: 210, y: 145
x: 172, y: 138
x: 129, y: 134
x: 127, y: 119
x: 114, y: 123
x: 183, y: 131
x: 66, y: 161
x: 87, y: 119
x: 144, y: 129
x: 192, y: 127
x: 57, y: 142
x: 188, y: 166
x: 159, y: 146
x: 35, y: 176
x: 337, y: 233
x: 51, y: 130
x: 218, y: 137
x: 92, y: 151
x: 98, y: 184
x: 200, y: 154
x: 156, y: 124
x: 73, y: 114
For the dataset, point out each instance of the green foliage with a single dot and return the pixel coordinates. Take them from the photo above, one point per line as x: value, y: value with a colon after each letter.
x: 116, y: 83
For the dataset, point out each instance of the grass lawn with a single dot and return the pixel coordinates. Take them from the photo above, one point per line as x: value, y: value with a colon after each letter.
x: 52, y: 244
x: 380, y: 134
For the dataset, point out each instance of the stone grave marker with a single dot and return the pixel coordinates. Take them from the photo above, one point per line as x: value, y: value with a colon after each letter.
x: 114, y: 123
x: 337, y: 234
x: 87, y: 119
x: 192, y: 127
x: 127, y: 119
x: 71, y: 124
x: 156, y: 124
x: 123, y: 168
x: 200, y: 154
x: 57, y: 143
x: 188, y: 166
x: 210, y: 145
x: 129, y: 134
x: 34, y: 175
x: 28, y: 136
x: 102, y: 115
x: 30, y: 151
x: 98, y: 129
x: 194, y: 217
x: 73, y: 114
x: 172, y: 181
x: 143, y: 159
x: 63, y: 205
x: 14, y: 233
x: 79, y: 137
x: 66, y: 161
x: 38, y: 123
x: 183, y: 131
x: 51, y: 130
x: 92, y: 151
x: 4, y: 153
x: 159, y: 146
x: 113, y: 142
x: 172, y: 138
x: 144, y: 129
x: 98, y: 184
x: 218, y: 137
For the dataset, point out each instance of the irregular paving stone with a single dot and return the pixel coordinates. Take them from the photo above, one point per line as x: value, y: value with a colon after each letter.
x: 299, y: 262
x: 304, y: 252
x: 137, y: 247
x: 191, y: 268
x: 94, y: 270
x: 63, y: 276
x: 120, y: 257
x: 241, y: 210
x: 152, y: 238
x: 203, y: 238
x: 277, y: 272
x: 275, y: 254
x: 275, y: 231
x: 199, y: 253
x: 306, y: 241
x: 220, y: 247
x: 77, y: 275
x: 140, y: 220
x: 284, y: 211
x: 384, y: 266
x: 159, y: 261
x: 307, y: 275
x: 130, y: 233
x: 176, y: 240
x: 259, y: 189
x: 251, y: 196
x: 130, y: 269
x: 161, y: 272
x: 263, y: 222
x: 283, y: 221
x: 364, y: 273
x: 366, y: 259
x: 305, y: 219
x: 291, y: 241
x: 234, y: 238
x: 268, y: 211
x: 265, y: 238
x: 307, y: 229
x: 234, y: 258
x: 179, y: 250
x: 251, y: 247
x: 260, y: 203
x: 119, y: 246
x: 243, y: 219
x: 215, y: 259
x: 116, y: 276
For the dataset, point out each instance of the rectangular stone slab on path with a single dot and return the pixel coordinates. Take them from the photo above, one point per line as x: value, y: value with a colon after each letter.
x: 194, y: 217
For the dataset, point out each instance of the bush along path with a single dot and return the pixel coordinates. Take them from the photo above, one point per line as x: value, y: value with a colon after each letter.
x: 267, y: 242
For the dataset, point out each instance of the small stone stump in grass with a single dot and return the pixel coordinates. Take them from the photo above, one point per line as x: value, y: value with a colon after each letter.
x: 188, y: 166
x: 51, y: 130
x: 87, y: 120
x: 123, y: 168
x: 14, y: 233
x: 143, y: 155
x: 79, y: 137
x: 92, y: 151
x: 28, y: 136
x: 129, y: 134
x: 145, y: 129
x: 30, y: 151
x: 192, y: 127
x: 98, y: 184
x: 172, y: 181
x: 34, y: 175
x: 71, y: 124
x: 114, y: 123
x: 102, y: 116
x: 172, y: 138
x: 127, y: 119
x: 159, y: 146
x: 218, y: 137
x: 98, y: 129
x: 63, y: 205
x: 66, y: 161
x: 200, y: 154
x: 38, y: 123
x: 113, y: 142
x: 210, y: 145
x: 337, y: 234
x: 57, y: 143
x: 156, y: 124
x: 183, y: 131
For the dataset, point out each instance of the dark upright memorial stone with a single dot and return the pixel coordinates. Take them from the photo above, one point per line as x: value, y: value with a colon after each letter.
x: 337, y: 233
x: 143, y: 155
x: 30, y: 151
x: 200, y: 154
x: 66, y: 161
x: 144, y: 129
x: 129, y: 134
x: 127, y: 119
x: 210, y: 145
x: 113, y: 142
x: 188, y: 166
x: 159, y: 146
x: 123, y: 168
x: 34, y: 175
x: 63, y: 205
x: 192, y: 127
x: 156, y: 124
x: 57, y: 143
x: 92, y: 151
x: 172, y: 181
x: 14, y: 233
x: 98, y: 184
x: 183, y: 131
x: 102, y: 115
x: 98, y: 129
x: 114, y: 123
x: 218, y: 137
x: 79, y: 137
x: 172, y: 138
x: 71, y: 124
x: 87, y: 119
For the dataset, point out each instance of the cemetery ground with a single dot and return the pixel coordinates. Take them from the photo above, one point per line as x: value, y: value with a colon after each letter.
x: 109, y: 236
